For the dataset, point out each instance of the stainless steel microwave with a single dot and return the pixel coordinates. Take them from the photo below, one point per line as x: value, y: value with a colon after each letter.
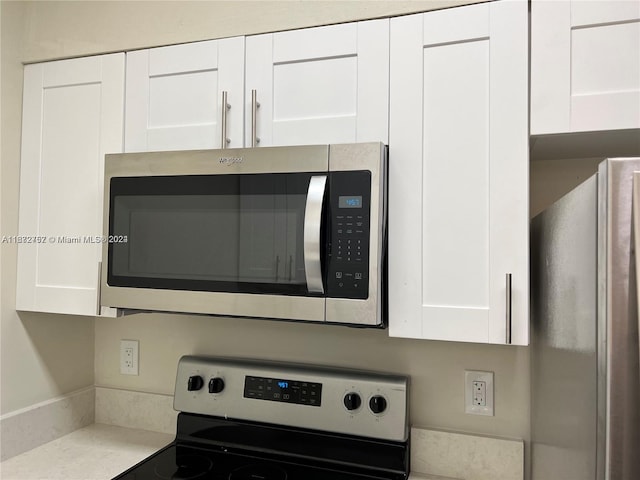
x: 291, y: 233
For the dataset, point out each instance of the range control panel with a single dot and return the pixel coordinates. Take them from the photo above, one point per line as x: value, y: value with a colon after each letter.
x: 350, y: 206
x: 351, y: 402
x: 283, y: 390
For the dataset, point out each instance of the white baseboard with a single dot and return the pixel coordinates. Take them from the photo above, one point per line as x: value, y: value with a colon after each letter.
x: 38, y: 424
x: 145, y: 411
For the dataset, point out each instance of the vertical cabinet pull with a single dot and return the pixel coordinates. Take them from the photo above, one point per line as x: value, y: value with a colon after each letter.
x: 98, y: 308
x: 224, y: 141
x: 254, y: 118
x: 508, y: 308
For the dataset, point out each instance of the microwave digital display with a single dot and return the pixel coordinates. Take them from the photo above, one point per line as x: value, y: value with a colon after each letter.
x: 350, y: 201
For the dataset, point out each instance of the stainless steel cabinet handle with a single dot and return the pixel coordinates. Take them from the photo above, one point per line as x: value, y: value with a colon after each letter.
x: 98, y: 308
x: 254, y: 118
x: 224, y: 141
x: 312, y: 223
x: 508, y: 308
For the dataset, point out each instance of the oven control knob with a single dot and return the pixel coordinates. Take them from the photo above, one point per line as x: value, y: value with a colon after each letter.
x: 195, y: 383
x: 352, y: 401
x: 377, y: 404
x: 216, y: 385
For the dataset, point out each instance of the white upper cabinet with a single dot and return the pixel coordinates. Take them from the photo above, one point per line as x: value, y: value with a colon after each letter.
x: 319, y: 85
x: 72, y: 117
x: 174, y: 98
x: 458, y: 180
x: 585, y: 66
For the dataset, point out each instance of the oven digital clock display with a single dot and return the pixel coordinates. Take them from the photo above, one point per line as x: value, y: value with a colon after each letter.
x: 282, y: 390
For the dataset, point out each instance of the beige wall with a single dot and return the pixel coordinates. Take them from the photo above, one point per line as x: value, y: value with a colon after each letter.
x: 436, y: 368
x: 45, y: 344
x: 62, y: 29
x: 551, y: 179
x: 42, y: 356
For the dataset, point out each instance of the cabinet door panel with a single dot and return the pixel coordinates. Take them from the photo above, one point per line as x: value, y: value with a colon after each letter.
x: 455, y: 229
x: 317, y: 97
x: 315, y: 43
x: 178, y: 99
x: 585, y: 66
x: 320, y: 85
x: 458, y: 220
x: 177, y: 59
x: 174, y: 96
x: 72, y: 117
x: 509, y: 170
x: 69, y: 137
x: 469, y: 23
x: 603, y: 11
x: 605, y: 77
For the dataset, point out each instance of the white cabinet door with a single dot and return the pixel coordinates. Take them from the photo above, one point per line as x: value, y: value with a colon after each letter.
x: 458, y: 180
x: 319, y: 85
x: 174, y: 96
x: 585, y: 65
x: 72, y: 117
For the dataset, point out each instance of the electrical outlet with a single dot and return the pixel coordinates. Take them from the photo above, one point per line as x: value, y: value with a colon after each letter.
x: 129, y: 357
x: 478, y: 392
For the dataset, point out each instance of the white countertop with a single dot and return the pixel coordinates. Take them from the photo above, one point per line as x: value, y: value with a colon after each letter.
x: 418, y: 476
x: 96, y: 452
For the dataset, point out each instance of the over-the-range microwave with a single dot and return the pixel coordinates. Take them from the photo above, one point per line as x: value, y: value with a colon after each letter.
x: 290, y: 233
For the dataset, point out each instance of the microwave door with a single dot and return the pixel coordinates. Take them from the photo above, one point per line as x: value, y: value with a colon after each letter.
x: 218, y: 244
x: 313, y: 232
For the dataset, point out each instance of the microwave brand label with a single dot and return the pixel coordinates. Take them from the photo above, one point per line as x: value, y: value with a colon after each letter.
x: 230, y: 160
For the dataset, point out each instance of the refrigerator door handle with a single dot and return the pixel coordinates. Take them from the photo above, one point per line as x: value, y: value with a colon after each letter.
x: 636, y: 235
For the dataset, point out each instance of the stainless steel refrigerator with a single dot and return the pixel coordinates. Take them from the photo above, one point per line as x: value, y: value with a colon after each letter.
x: 585, y: 375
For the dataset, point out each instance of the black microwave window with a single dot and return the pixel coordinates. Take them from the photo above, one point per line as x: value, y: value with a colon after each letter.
x: 227, y: 233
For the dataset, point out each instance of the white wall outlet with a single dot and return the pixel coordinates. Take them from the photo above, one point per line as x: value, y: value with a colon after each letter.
x: 129, y: 357
x: 478, y: 392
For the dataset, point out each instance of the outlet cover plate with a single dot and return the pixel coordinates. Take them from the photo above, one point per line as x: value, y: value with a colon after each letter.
x: 471, y: 376
x: 129, y: 357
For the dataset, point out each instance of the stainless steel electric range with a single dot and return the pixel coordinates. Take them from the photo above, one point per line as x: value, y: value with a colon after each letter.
x: 259, y: 420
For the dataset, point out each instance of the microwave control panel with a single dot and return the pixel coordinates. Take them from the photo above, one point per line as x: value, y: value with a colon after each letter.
x: 350, y: 205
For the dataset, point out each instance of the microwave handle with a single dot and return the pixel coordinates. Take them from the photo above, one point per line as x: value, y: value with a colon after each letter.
x: 312, y: 240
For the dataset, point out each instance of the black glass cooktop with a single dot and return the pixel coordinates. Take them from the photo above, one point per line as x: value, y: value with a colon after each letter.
x: 178, y: 462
